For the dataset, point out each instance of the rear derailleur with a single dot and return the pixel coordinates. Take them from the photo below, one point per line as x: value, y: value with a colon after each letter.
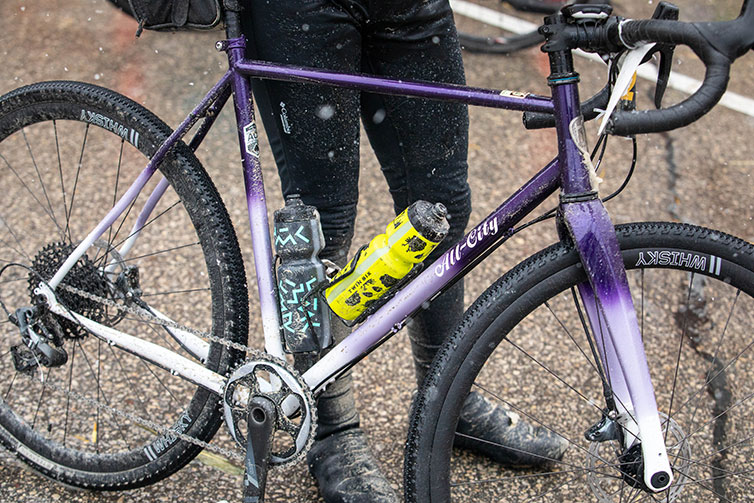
x: 40, y: 345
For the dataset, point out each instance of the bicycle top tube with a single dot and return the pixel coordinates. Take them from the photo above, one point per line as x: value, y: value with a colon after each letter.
x: 503, y: 99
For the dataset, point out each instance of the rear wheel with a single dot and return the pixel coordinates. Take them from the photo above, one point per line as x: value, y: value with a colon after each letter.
x: 68, y: 151
x: 522, y: 345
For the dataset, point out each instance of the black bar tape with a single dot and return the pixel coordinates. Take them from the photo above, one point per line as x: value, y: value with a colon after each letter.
x: 715, y: 79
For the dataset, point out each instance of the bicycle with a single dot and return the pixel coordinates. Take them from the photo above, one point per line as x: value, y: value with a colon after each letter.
x: 517, y: 40
x: 99, y: 287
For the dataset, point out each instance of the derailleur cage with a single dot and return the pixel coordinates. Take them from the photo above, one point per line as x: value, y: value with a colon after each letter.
x: 37, y: 348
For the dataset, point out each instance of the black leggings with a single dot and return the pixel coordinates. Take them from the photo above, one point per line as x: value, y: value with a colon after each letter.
x: 314, y: 130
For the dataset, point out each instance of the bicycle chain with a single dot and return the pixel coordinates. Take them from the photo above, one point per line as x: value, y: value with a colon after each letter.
x: 251, y: 354
x: 161, y: 321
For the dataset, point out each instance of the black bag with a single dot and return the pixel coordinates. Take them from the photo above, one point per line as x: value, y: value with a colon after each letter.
x: 172, y: 14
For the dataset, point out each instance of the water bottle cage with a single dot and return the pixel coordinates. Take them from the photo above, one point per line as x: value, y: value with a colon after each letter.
x: 320, y: 287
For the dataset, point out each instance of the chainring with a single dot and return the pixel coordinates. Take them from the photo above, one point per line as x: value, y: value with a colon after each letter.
x: 289, y: 391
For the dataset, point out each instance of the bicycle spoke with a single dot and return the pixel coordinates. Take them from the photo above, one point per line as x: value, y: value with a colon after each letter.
x: 76, y: 183
x: 555, y: 375
x: 32, y: 194
x: 10, y: 387
x: 60, y: 172
x: 534, y: 420
x: 148, y: 222
x: 159, y: 252
x: 698, y: 462
x: 39, y: 177
x: 104, y: 396
x: 41, y: 398
x: 526, y: 476
x: 176, y: 292
x: 678, y: 355
x: 718, y: 346
x: 114, y: 246
x: 173, y: 399
x: 20, y: 250
x: 131, y: 384
x: 68, y: 396
x: 570, y: 336
x: 99, y: 374
x: 115, y: 189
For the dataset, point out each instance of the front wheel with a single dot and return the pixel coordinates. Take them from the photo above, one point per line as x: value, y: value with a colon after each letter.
x: 522, y: 345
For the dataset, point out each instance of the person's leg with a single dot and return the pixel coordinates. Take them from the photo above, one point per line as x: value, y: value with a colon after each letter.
x: 314, y: 134
x: 421, y: 144
x: 422, y: 147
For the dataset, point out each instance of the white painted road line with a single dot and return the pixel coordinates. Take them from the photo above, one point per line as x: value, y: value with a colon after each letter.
x: 677, y: 81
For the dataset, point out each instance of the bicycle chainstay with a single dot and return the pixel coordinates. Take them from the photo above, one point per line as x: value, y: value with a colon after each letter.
x: 251, y: 355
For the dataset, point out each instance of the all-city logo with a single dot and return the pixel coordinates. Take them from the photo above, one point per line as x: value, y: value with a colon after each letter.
x: 251, y: 139
x: 488, y: 228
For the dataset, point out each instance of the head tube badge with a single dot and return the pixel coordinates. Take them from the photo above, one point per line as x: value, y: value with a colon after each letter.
x: 251, y: 139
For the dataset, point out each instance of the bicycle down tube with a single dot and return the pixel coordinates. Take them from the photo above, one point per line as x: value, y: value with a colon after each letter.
x: 585, y: 217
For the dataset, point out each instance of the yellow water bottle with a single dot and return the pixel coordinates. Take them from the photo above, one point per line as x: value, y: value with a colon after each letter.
x: 407, y: 240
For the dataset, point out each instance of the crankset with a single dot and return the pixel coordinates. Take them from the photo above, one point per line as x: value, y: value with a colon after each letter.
x: 275, y: 380
x: 267, y: 396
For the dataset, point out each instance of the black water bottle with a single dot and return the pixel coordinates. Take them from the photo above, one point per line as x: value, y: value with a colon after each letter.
x: 298, y: 241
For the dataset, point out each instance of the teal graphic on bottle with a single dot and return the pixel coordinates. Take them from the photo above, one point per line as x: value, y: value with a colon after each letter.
x: 378, y: 267
x: 298, y: 241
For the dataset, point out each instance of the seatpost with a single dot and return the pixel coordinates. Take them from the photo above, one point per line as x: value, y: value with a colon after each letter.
x: 232, y: 9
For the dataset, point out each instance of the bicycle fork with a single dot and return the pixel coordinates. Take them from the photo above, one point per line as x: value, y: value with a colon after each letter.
x: 607, y: 296
x: 616, y: 334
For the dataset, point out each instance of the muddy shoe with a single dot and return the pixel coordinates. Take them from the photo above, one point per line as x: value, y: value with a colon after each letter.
x: 346, y: 472
x: 503, y: 436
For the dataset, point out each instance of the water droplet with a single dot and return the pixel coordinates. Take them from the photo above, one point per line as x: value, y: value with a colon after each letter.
x: 435, y: 39
x: 379, y: 116
x: 305, y: 27
x: 330, y: 154
x: 97, y: 76
x: 325, y: 112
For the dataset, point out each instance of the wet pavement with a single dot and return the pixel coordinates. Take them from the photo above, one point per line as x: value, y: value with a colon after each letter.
x: 701, y: 174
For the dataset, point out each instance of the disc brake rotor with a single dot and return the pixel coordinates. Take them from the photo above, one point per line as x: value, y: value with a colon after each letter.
x: 605, y: 472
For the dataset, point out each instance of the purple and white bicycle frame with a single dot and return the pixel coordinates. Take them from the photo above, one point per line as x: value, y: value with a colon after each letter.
x: 606, y: 295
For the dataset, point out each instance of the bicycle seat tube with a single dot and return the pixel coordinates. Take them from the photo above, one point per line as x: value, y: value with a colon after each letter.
x: 607, y: 297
